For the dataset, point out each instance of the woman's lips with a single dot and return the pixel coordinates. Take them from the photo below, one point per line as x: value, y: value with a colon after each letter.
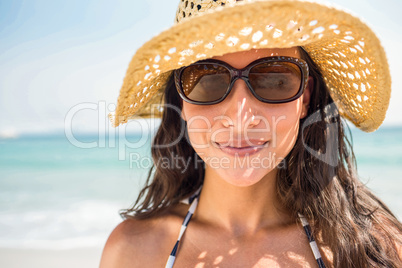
x: 241, y: 148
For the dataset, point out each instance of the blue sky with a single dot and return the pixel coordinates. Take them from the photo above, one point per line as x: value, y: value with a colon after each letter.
x: 57, y: 54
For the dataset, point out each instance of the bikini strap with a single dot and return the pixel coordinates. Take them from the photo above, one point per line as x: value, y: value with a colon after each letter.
x: 311, y: 241
x: 194, y: 202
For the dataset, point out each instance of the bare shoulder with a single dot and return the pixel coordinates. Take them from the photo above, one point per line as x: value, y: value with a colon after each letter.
x: 142, y: 243
x: 124, y: 243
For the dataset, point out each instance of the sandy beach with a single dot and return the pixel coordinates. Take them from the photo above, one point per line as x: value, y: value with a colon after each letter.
x: 38, y: 258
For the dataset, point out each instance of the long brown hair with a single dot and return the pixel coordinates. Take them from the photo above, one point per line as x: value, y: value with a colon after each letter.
x: 319, y: 181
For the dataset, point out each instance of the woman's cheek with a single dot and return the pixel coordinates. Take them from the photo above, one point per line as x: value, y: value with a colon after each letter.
x: 200, y: 120
x: 285, y: 128
x: 197, y: 134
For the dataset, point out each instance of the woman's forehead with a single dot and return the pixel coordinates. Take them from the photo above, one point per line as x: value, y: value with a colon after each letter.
x: 243, y: 58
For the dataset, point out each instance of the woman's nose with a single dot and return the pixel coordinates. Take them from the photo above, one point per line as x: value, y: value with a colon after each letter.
x: 239, y: 106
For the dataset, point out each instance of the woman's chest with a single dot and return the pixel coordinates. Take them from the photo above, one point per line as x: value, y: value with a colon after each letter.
x: 245, y: 258
x: 281, y: 249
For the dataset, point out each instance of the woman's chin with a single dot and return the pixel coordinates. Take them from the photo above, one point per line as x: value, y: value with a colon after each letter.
x: 244, y: 177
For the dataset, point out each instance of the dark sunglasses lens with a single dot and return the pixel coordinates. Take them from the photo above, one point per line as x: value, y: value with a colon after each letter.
x: 205, y: 82
x: 276, y: 80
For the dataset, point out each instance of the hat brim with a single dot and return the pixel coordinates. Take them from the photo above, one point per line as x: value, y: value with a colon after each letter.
x: 348, y: 53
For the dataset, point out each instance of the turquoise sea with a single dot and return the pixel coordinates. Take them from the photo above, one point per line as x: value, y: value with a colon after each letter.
x: 61, y: 193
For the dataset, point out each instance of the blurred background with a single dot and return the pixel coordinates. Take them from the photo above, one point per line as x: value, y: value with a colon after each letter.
x: 64, y: 171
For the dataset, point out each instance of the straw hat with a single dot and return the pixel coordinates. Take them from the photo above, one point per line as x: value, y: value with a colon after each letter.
x: 348, y: 53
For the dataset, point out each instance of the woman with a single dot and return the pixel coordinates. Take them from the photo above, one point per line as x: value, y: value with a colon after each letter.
x: 261, y: 173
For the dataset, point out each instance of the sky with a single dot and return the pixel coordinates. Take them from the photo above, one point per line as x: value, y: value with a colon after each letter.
x: 62, y: 63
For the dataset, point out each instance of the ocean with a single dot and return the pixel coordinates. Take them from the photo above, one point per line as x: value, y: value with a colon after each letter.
x: 63, y: 193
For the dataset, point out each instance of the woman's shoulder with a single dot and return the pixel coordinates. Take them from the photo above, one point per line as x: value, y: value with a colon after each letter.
x: 137, y: 242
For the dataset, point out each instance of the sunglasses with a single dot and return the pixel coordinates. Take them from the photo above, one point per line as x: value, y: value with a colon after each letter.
x: 271, y: 80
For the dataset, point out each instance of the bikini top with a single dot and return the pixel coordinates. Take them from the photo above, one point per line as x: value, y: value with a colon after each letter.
x: 193, y: 200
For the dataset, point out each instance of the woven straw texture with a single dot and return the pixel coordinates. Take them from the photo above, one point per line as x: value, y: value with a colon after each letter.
x: 348, y: 53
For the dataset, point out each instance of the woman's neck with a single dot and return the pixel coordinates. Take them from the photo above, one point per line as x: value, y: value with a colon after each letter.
x: 241, y: 210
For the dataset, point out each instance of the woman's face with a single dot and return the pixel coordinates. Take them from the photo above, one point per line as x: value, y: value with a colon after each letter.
x: 242, y: 139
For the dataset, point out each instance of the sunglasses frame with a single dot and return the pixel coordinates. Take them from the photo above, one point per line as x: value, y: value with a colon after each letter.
x: 243, y: 74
